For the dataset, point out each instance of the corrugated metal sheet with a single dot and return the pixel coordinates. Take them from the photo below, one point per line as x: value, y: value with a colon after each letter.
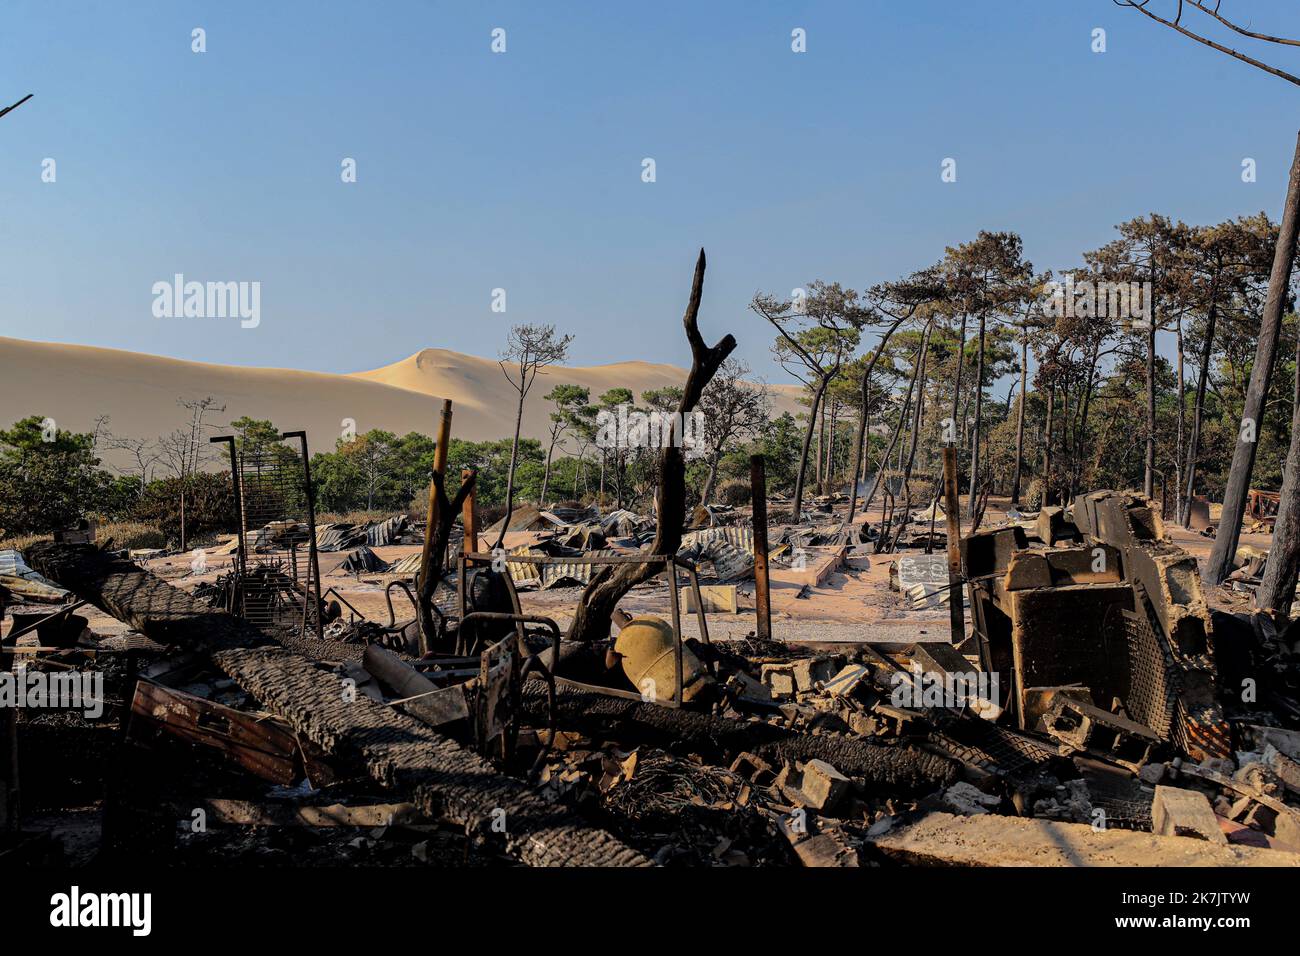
x: 338, y: 537
x: 571, y: 572
x: 522, y: 572
x: 738, y: 537
x: 385, y: 532
x: 731, y: 563
x: 408, y: 565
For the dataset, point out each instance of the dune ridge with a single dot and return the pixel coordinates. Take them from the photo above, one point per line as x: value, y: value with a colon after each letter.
x: 75, y: 384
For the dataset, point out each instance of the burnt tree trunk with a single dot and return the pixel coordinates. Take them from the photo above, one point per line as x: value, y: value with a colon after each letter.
x: 864, y: 421
x: 822, y: 381
x: 1020, y: 415
x: 1084, y: 408
x: 1194, y: 441
x: 1047, y: 446
x: 611, y: 582
x: 918, y: 416
x: 979, y: 414
x: 1149, y: 468
x: 1182, y: 416
x: 510, y: 475
x: 893, y: 440
x: 1243, y: 458
x: 956, y: 385
x: 546, y: 475
x: 1277, y: 591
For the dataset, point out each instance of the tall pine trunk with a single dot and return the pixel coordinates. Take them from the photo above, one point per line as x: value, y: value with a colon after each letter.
x: 1243, y: 457
x: 979, y: 414
x: 1047, y: 447
x: 1178, y: 447
x: 1277, y: 591
x: 510, y: 475
x: 1198, y: 409
x: 546, y: 475
x: 860, y: 465
x: 898, y: 430
x: 1020, y: 415
x: 1149, y: 470
x: 822, y: 382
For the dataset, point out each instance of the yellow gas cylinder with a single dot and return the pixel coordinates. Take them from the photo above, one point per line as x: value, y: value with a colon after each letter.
x: 645, y: 647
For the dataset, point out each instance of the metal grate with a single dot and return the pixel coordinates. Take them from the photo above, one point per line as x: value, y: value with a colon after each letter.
x: 278, y: 571
x: 1152, y: 674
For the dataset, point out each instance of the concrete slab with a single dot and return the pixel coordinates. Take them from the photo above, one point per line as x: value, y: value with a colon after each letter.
x: 943, y: 839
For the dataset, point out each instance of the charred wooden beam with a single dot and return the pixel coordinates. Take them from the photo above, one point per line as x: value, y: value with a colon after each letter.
x: 897, y: 769
x: 444, y: 779
x: 158, y: 610
x: 137, y: 597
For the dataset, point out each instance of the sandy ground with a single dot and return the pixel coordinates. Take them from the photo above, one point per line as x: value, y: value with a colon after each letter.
x: 75, y: 384
x: 850, y: 606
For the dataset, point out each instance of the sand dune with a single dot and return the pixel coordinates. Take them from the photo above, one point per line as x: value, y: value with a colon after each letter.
x: 74, y: 384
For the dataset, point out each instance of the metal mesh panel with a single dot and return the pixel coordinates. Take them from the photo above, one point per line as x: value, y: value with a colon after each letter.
x: 995, y: 749
x: 1124, y: 814
x: 279, y: 576
x: 1152, y: 674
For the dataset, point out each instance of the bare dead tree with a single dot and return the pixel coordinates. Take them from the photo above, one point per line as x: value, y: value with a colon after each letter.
x: 184, y: 450
x: 1176, y: 23
x: 529, y: 349
x: 611, y: 582
x: 144, y: 452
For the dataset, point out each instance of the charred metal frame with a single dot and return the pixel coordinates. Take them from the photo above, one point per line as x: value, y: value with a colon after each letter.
x: 241, y: 552
x: 669, y: 562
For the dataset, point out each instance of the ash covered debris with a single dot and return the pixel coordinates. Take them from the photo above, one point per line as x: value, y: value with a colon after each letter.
x: 1083, y: 720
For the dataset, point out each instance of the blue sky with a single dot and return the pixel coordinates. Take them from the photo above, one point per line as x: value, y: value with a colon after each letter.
x: 522, y: 170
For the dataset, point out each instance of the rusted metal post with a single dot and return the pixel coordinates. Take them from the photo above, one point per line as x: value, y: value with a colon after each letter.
x: 762, y: 594
x: 427, y: 581
x: 469, y: 542
x: 467, y: 518
x: 951, y: 506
